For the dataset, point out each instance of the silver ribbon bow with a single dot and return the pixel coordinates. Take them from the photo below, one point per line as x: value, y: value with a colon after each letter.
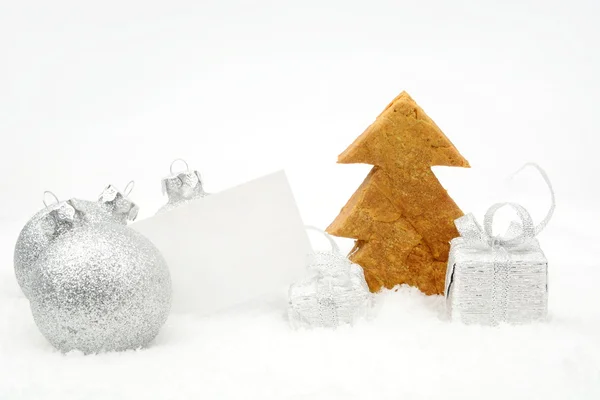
x: 519, y: 233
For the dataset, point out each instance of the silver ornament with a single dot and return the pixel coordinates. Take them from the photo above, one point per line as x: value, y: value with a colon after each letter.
x: 112, y: 206
x: 181, y: 188
x: 32, y: 241
x: 334, y: 292
x: 99, y: 287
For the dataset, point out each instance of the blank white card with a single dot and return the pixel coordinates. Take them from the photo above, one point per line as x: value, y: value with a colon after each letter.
x: 231, y: 247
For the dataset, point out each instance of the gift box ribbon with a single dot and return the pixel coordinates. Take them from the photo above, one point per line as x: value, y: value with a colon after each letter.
x: 520, y: 232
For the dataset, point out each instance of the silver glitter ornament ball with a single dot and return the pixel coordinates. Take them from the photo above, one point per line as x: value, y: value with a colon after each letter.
x: 32, y: 241
x: 181, y: 187
x: 35, y: 237
x: 100, y: 287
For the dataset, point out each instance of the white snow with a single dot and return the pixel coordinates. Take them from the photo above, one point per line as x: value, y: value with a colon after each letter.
x: 405, y: 351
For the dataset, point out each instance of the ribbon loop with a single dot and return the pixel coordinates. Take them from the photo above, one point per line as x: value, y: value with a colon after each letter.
x: 518, y: 232
x: 334, y: 247
x: 527, y: 230
x: 540, y: 227
x: 469, y: 229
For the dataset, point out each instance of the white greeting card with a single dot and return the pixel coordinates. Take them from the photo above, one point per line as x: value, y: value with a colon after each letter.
x: 231, y: 247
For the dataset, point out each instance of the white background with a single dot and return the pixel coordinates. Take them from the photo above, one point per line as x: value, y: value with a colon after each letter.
x: 105, y: 92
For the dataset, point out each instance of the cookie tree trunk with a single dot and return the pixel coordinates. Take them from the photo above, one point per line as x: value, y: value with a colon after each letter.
x: 401, y: 216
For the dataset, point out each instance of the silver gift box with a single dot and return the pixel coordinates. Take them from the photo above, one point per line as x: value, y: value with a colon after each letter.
x: 490, y: 284
x: 492, y: 279
x: 333, y: 293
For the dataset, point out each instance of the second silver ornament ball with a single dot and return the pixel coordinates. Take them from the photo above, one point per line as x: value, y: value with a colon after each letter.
x: 111, y: 207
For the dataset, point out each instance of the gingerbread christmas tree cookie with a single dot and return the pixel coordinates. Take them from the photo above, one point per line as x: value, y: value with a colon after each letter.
x: 401, y: 216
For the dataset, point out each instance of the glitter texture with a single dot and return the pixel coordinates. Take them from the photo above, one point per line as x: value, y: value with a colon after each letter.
x: 334, y: 293
x: 34, y: 237
x: 112, y: 206
x: 100, y: 287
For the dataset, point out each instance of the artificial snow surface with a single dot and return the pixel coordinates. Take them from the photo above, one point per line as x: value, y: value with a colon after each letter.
x: 405, y: 352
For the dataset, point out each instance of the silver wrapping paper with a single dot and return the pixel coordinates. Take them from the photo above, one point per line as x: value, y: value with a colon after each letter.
x: 488, y: 285
x: 492, y: 279
x: 333, y: 293
x: 99, y: 287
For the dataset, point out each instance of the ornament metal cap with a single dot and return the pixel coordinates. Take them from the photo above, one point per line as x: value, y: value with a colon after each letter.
x: 61, y: 218
x: 118, y: 204
x: 183, y: 185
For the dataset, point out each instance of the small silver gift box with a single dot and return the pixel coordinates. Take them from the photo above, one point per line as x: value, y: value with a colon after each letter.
x: 333, y: 293
x: 490, y: 279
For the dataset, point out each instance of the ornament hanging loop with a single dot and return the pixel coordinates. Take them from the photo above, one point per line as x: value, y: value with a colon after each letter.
x: 181, y: 160
x: 128, y: 188
x: 334, y: 246
x: 46, y: 193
